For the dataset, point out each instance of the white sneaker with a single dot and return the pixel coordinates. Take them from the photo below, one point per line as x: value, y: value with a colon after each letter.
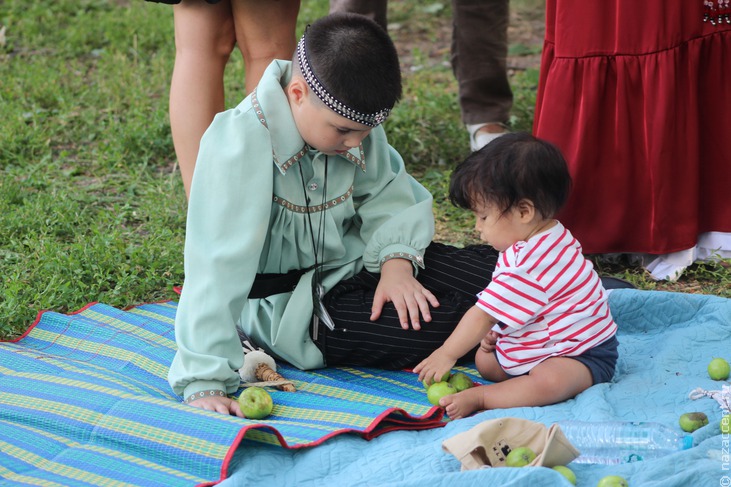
x: 478, y: 139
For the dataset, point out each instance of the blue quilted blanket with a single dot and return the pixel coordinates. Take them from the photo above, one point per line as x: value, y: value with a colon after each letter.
x: 666, y: 342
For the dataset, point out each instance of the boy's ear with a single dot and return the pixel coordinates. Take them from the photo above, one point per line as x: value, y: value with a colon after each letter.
x: 526, y: 210
x: 297, y: 90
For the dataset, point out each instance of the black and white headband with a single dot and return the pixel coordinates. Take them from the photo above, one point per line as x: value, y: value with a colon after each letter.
x: 370, y: 119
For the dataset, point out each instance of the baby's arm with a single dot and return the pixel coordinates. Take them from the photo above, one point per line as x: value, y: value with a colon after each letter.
x: 469, y: 332
x: 399, y: 286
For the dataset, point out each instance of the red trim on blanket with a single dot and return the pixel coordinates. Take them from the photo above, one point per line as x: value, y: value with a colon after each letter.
x: 177, y: 290
x: 38, y: 320
x: 369, y: 433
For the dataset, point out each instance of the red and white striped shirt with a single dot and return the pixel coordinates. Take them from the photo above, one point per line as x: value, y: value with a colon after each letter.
x: 548, y: 299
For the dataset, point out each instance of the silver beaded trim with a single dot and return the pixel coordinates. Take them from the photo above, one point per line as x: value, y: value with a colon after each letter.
x: 299, y: 155
x: 370, y: 119
x: 416, y: 259
x: 359, y: 161
x: 202, y: 394
x: 257, y: 108
x: 315, y: 208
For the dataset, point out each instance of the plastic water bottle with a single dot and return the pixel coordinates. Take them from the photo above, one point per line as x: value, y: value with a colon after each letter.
x: 615, y: 442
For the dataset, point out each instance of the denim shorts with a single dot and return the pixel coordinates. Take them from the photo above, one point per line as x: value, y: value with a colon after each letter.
x: 600, y: 360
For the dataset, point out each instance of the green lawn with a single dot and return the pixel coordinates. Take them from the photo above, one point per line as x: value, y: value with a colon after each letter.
x: 91, y: 203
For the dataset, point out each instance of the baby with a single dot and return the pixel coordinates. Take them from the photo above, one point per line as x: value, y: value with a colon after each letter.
x: 543, y: 325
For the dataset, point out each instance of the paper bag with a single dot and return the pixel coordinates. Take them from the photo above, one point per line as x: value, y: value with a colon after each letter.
x: 488, y: 443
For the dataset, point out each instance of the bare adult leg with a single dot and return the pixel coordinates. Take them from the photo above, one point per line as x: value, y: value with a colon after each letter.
x: 264, y: 31
x: 204, y: 39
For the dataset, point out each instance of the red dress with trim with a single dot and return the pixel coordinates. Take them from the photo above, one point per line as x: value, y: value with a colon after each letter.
x: 637, y: 95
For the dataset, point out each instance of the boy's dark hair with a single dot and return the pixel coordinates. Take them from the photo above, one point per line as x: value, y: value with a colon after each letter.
x: 355, y: 60
x: 513, y: 167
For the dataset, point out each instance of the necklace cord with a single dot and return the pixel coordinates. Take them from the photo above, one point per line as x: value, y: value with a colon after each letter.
x: 318, y: 245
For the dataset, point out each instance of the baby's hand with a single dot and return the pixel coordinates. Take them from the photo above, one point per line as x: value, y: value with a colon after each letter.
x: 434, y: 367
x: 488, y: 343
x: 223, y: 405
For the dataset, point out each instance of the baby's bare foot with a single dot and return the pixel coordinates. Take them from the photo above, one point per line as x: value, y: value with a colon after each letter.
x: 463, y: 403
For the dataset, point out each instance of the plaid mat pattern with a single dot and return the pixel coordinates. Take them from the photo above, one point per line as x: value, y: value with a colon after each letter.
x: 84, y: 400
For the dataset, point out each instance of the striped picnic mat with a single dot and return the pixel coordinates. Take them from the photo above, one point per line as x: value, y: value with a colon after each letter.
x: 84, y: 400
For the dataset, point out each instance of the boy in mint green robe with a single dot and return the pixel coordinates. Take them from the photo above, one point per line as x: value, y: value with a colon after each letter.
x: 295, y: 188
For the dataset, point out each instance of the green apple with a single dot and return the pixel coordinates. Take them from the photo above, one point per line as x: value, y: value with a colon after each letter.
x: 612, y: 481
x: 566, y: 472
x: 725, y: 424
x: 256, y: 403
x: 520, y: 457
x: 692, y: 421
x: 460, y: 381
x: 438, y: 390
x: 719, y: 369
x: 445, y: 378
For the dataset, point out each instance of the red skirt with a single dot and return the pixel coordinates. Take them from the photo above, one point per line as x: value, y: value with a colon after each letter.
x: 637, y: 95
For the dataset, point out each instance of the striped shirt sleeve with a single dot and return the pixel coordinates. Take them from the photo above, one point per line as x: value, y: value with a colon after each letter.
x: 513, y: 297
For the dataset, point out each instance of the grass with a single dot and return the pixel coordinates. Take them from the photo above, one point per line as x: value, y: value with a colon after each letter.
x: 91, y: 203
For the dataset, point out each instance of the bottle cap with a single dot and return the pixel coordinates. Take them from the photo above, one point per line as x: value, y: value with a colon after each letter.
x: 687, y: 442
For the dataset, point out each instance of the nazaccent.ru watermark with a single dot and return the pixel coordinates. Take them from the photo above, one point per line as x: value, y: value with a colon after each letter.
x: 725, y: 480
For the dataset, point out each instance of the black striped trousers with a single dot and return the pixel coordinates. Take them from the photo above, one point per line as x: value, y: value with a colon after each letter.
x: 453, y: 275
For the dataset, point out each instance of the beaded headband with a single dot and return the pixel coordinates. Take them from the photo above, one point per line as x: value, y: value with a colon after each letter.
x: 370, y: 119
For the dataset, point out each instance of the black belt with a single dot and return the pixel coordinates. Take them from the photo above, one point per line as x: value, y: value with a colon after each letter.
x: 266, y: 285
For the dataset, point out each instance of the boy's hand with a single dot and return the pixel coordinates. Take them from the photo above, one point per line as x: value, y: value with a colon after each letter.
x: 219, y: 404
x: 409, y: 297
x: 488, y: 343
x: 435, y: 366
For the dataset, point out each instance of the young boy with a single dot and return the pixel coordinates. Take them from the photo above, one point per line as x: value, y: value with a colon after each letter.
x: 299, y: 206
x: 543, y: 324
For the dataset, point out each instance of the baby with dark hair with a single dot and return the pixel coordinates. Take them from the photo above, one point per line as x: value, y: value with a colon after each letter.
x: 518, y: 167
x: 542, y: 324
